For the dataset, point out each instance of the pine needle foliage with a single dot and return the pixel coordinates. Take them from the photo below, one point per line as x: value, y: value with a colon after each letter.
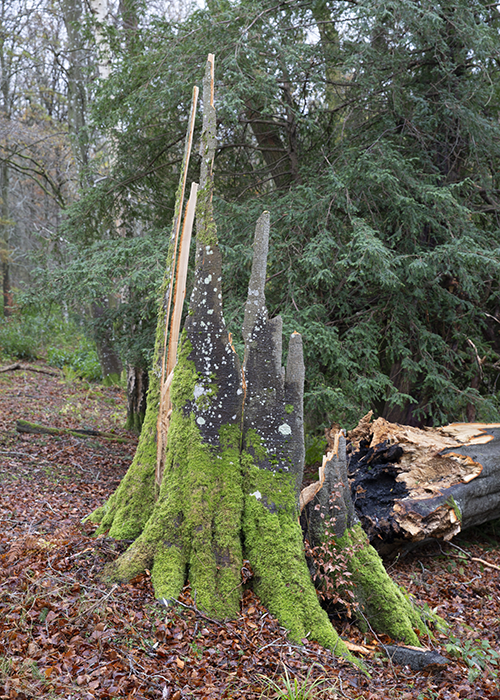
x: 371, y: 133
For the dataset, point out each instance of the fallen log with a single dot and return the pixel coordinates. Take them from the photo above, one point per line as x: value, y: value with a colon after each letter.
x: 410, y: 485
x: 24, y: 426
x: 28, y: 368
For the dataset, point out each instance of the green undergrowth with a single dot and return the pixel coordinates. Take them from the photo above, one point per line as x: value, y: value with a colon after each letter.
x: 291, y: 688
x: 31, y: 334
x: 81, y: 362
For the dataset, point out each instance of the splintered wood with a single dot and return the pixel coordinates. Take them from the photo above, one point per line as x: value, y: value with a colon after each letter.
x: 411, y: 484
x: 178, y: 275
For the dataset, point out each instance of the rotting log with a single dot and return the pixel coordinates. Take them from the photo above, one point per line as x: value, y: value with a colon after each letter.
x: 410, y: 485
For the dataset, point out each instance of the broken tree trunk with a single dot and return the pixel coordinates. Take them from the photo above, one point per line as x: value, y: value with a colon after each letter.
x: 232, y: 460
x: 411, y: 485
x: 334, y: 533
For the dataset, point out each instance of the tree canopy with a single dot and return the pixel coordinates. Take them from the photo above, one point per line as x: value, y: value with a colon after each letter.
x: 370, y: 132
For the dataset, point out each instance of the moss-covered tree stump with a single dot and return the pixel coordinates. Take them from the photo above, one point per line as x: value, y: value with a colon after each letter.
x: 330, y: 519
x: 232, y: 463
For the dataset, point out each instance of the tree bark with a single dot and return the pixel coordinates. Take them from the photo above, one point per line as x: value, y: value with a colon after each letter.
x: 5, y: 223
x: 137, y: 389
x: 111, y: 365
x: 233, y: 462
x: 411, y: 485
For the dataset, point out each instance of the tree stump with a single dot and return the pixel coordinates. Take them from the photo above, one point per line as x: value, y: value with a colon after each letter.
x: 233, y: 459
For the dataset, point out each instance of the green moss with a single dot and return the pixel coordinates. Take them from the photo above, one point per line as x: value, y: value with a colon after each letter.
x: 273, y: 544
x: 206, y: 234
x: 384, y: 604
x: 194, y: 530
x: 289, y: 408
x: 254, y: 443
x: 185, y: 375
x: 111, y: 379
x: 134, y: 422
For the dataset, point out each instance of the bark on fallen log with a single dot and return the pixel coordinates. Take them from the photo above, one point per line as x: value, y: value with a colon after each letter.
x: 409, y: 485
x: 23, y: 426
x: 28, y: 368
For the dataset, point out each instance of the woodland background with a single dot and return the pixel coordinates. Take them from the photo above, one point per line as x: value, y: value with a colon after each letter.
x: 369, y: 129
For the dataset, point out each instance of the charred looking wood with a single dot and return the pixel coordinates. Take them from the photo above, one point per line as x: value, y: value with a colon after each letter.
x: 372, y: 474
x: 410, y: 485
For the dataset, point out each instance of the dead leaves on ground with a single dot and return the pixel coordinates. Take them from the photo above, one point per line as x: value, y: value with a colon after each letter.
x: 66, y: 634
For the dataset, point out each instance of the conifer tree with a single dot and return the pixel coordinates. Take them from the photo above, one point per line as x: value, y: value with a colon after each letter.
x: 370, y: 132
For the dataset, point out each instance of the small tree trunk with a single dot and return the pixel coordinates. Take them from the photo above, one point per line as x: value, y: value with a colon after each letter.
x: 4, y: 209
x: 111, y: 365
x: 137, y: 388
x: 6, y: 290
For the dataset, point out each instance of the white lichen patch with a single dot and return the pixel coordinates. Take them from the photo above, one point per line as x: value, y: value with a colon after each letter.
x: 257, y: 495
x: 199, y: 390
x: 200, y: 420
x: 285, y: 429
x: 208, y: 279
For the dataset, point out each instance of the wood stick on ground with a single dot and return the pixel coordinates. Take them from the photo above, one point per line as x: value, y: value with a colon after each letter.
x: 28, y: 368
x: 486, y: 563
x: 24, y: 426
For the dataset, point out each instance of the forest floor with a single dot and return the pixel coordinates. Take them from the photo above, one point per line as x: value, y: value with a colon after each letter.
x: 66, y: 634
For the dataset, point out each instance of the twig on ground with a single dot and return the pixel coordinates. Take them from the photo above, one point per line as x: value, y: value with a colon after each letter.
x: 97, y: 603
x: 469, y: 556
x: 193, y: 608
